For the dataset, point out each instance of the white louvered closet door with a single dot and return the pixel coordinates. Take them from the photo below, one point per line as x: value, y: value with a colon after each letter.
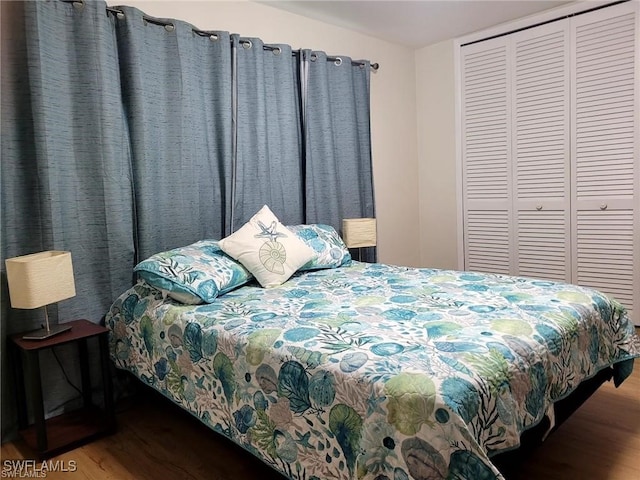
x: 541, y: 151
x: 486, y: 151
x: 606, y: 171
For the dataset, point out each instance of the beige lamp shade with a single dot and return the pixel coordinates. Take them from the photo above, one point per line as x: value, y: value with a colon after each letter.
x: 40, y: 279
x: 359, y: 232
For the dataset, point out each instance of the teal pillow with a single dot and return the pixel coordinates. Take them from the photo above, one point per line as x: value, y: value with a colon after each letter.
x: 330, y: 250
x: 193, y: 274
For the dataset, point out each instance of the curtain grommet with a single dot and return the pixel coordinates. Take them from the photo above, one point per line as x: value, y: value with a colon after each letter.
x: 213, y: 37
x: 120, y: 15
x: 338, y: 62
x: 78, y: 5
x: 277, y: 50
x: 169, y: 27
x: 247, y: 44
x: 313, y: 57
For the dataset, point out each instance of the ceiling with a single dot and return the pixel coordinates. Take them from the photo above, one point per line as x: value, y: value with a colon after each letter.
x: 416, y: 23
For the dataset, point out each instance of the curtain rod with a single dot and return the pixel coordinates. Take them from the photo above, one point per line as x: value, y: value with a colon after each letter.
x: 246, y: 43
x: 79, y: 4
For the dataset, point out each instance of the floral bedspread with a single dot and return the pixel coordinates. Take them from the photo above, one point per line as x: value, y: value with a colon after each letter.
x: 374, y: 371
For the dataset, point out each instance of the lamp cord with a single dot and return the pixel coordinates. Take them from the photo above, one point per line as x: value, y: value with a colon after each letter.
x: 53, y: 350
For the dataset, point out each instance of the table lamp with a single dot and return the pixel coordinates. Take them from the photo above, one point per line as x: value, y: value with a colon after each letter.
x: 359, y: 233
x: 38, y: 280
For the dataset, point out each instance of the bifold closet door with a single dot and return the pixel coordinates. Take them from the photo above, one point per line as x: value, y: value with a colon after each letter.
x: 486, y: 157
x: 516, y: 159
x: 541, y: 151
x: 606, y: 156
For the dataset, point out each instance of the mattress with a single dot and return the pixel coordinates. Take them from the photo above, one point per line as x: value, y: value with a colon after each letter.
x: 374, y: 371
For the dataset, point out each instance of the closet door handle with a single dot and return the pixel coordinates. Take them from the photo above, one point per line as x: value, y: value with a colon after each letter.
x: 603, y: 206
x: 538, y: 207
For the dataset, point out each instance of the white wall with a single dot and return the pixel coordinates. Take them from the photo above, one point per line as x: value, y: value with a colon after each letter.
x: 393, y: 101
x: 435, y: 87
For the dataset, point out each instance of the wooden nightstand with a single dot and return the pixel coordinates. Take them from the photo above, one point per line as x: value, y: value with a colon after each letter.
x: 63, y: 432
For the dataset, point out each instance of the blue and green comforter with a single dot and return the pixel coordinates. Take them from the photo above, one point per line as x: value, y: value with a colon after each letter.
x: 374, y: 371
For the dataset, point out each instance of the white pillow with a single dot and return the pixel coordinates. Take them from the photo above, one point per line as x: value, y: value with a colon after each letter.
x: 268, y: 249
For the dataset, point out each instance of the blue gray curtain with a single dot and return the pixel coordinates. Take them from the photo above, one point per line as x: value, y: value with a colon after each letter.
x: 268, y: 164
x: 176, y: 85
x: 125, y: 135
x: 65, y: 178
x: 337, y: 140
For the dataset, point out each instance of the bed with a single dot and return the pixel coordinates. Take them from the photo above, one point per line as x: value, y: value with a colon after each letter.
x: 375, y: 371
x: 326, y: 368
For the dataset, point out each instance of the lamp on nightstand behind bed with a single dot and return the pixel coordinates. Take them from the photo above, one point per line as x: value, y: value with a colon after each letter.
x: 38, y: 280
x: 359, y: 233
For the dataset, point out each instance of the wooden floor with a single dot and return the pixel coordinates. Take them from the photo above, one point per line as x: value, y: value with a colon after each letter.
x: 156, y: 440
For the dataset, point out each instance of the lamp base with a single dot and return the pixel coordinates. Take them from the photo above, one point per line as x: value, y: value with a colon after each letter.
x: 43, y: 333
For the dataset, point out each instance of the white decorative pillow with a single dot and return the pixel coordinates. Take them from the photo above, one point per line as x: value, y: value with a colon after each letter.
x: 268, y: 249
